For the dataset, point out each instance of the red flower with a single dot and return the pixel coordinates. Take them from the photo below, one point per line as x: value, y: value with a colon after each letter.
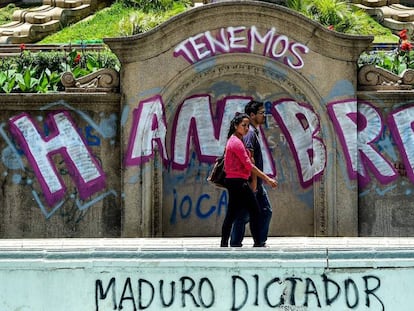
x: 331, y: 27
x: 77, y: 59
x: 22, y: 47
x: 406, y: 46
x: 403, y: 34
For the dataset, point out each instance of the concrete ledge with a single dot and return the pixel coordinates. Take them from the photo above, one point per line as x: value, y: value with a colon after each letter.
x: 327, y: 250
x: 195, y: 274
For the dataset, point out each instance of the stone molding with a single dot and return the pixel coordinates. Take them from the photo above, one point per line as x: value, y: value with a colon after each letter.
x: 103, y: 80
x: 331, y: 44
x: 371, y: 77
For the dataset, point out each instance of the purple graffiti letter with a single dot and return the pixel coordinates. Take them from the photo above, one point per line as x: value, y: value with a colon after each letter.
x: 300, y: 125
x: 401, y: 124
x: 194, y: 122
x: 361, y: 129
x: 148, y: 126
x: 64, y: 139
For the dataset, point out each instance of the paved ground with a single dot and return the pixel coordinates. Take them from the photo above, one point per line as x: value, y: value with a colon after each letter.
x: 199, y: 243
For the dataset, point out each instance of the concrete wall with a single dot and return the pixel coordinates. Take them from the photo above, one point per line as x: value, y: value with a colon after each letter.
x: 134, y: 163
x: 385, y: 199
x: 60, y: 165
x: 129, y: 275
x: 180, y: 90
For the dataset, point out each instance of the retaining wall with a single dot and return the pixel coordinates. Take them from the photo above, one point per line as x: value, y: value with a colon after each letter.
x: 194, y: 274
x: 134, y: 163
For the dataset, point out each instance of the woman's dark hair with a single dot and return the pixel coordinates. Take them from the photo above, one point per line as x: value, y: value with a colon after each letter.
x: 238, y: 118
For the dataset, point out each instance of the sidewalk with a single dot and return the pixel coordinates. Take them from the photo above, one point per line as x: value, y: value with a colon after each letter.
x: 207, y: 243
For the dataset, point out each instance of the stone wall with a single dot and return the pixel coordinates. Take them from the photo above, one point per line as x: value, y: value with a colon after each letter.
x: 181, y: 89
x: 60, y: 165
x: 134, y: 164
x: 300, y: 274
x: 385, y: 200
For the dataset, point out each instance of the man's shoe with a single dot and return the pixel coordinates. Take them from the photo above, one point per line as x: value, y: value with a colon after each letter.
x: 261, y: 245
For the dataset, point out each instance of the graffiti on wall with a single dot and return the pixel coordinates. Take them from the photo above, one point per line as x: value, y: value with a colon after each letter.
x: 65, y: 139
x: 358, y: 128
x: 242, y: 39
x: 40, y: 142
x: 243, y: 292
x: 203, y: 207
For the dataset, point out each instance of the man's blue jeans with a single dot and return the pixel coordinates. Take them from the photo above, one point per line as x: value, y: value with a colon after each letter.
x: 239, y: 226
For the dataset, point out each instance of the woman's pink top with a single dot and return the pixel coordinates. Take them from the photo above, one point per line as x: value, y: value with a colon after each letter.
x: 237, y: 163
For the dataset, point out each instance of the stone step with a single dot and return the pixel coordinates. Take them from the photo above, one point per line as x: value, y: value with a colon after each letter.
x: 32, y: 25
x: 390, y: 14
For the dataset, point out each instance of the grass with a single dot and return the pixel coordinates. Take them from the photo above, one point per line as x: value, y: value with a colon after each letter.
x: 114, y: 21
x: 6, y: 13
x: 103, y: 24
x: 369, y: 26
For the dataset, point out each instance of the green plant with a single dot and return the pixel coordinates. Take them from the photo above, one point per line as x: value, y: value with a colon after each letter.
x: 396, y: 61
x: 7, y: 80
x: 148, y: 6
x: 340, y: 16
x: 327, y: 12
x: 26, y: 79
x: 48, y: 81
x: 6, y: 13
x: 141, y: 21
x: 40, y: 72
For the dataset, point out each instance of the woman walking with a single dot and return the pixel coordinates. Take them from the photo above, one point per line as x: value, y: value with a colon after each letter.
x: 239, y: 167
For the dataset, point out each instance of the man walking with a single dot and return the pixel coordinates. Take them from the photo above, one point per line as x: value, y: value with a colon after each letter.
x: 256, y: 111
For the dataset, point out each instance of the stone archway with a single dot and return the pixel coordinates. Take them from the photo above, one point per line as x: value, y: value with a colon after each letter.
x: 271, y: 84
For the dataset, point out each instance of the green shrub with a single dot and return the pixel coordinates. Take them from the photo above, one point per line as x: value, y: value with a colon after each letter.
x: 396, y: 61
x: 6, y: 13
x: 341, y: 16
x: 41, y: 72
x: 141, y: 21
x: 151, y: 6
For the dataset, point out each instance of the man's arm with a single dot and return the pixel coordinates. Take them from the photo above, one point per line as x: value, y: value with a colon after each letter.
x: 253, y: 176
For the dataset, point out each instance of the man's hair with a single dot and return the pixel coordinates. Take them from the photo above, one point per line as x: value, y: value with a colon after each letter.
x: 253, y: 106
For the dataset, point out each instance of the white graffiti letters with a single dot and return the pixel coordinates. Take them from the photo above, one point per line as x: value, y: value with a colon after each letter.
x: 301, y: 126
x: 64, y: 139
x: 149, y: 126
x: 357, y: 125
x: 360, y: 127
x: 369, y: 129
x: 242, y: 39
x: 401, y: 123
x: 195, y: 118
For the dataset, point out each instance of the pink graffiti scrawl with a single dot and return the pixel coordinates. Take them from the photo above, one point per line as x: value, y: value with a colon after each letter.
x: 65, y: 140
